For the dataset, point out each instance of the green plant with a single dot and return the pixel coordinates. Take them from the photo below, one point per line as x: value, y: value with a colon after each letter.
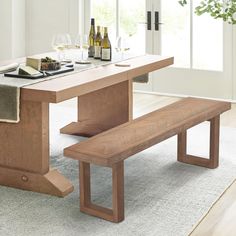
x: 224, y: 9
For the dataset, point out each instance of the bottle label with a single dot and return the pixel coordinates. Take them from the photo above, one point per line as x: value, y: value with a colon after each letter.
x: 97, y: 52
x: 106, y: 54
x: 91, y: 51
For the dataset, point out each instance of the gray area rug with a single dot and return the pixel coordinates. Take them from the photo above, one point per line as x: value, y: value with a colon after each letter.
x: 162, y: 197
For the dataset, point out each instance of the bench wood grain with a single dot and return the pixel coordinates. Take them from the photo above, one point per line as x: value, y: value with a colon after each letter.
x: 112, y: 147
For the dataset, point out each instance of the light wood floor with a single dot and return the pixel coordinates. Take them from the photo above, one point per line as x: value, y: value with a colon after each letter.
x: 220, y: 221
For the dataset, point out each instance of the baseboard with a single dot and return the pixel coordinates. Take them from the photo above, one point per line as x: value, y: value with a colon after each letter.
x: 183, y: 96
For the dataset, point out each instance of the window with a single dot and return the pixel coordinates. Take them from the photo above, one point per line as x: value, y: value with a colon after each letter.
x: 189, y: 37
x: 123, y: 18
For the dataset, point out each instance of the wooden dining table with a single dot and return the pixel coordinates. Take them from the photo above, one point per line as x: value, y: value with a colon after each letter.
x: 104, y: 101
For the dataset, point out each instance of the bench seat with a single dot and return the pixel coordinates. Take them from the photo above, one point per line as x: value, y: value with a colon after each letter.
x: 112, y: 147
x: 125, y: 140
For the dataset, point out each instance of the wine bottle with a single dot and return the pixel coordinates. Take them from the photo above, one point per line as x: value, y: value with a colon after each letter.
x: 91, y: 38
x: 106, y: 47
x: 97, y: 44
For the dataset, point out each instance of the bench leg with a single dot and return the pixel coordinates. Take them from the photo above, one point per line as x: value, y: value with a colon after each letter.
x: 213, y: 161
x: 116, y: 214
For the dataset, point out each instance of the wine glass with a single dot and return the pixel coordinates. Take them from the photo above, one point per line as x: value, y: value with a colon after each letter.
x: 68, y: 46
x: 85, y: 47
x: 122, y: 45
x: 82, y: 43
x: 78, y: 44
x: 58, y: 43
x: 78, y: 41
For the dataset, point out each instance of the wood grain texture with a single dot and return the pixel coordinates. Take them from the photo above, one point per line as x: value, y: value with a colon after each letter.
x: 213, y: 161
x: 25, y: 145
x: 102, y: 110
x: 118, y: 191
x: 220, y: 220
x: 52, y: 182
x: 112, y: 147
x: 84, y: 184
x: 85, y: 82
x: 116, y: 214
x: 123, y: 141
x: 24, y: 153
x: 82, y: 129
x: 214, y: 141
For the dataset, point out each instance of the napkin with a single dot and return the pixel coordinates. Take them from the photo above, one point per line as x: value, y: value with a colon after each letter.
x: 9, y: 104
x: 8, y: 68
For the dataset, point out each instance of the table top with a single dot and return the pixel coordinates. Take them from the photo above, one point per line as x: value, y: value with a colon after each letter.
x: 69, y: 86
x: 77, y: 84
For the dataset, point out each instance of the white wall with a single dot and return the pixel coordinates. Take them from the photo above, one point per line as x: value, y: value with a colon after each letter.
x: 12, y: 26
x: 45, y: 18
x: 5, y: 26
x: 18, y: 28
x: 27, y: 26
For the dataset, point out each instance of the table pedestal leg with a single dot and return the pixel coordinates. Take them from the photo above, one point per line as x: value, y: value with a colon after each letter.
x: 24, y: 153
x: 102, y: 109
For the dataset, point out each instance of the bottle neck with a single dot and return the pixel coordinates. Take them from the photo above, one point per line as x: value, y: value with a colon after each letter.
x: 92, y: 28
x: 105, y: 33
x: 99, y: 33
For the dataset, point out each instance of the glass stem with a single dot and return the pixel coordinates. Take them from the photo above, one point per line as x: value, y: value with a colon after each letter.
x: 58, y: 56
x: 122, y: 55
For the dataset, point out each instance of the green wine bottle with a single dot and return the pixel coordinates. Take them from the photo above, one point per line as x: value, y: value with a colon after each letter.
x: 106, y: 47
x: 97, y: 44
x: 91, y: 38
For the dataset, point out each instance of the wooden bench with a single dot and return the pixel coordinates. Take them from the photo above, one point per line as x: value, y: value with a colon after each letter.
x: 112, y: 147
